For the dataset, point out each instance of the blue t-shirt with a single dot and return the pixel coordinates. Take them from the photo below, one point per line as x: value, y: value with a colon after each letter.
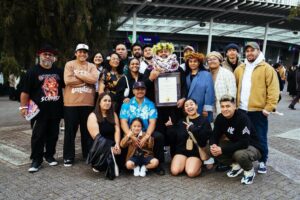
x: 145, y: 111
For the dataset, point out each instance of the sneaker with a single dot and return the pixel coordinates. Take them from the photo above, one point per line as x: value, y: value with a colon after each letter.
x: 35, y: 166
x: 160, y: 170
x: 222, y: 168
x: 234, y: 171
x: 292, y: 107
x: 68, y: 163
x: 248, y: 177
x: 209, y: 161
x: 51, y: 161
x: 262, y: 168
x: 136, y: 171
x: 143, y: 171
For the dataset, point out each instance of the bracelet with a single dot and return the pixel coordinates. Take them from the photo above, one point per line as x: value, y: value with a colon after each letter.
x: 23, y: 107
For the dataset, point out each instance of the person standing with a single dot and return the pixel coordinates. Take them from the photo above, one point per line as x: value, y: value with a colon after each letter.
x: 147, y: 58
x: 232, y: 57
x: 200, y: 85
x: 224, y: 80
x: 296, y: 99
x: 123, y: 53
x: 97, y: 59
x: 257, y: 94
x: 186, y: 51
x: 43, y: 84
x: 80, y: 77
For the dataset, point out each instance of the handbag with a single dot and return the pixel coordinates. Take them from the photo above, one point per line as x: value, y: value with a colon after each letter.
x: 202, y: 154
x: 127, y: 90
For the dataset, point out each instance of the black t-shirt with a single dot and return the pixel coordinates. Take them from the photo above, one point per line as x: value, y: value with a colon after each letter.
x: 179, y: 135
x: 107, y: 129
x: 44, y: 87
x: 238, y: 129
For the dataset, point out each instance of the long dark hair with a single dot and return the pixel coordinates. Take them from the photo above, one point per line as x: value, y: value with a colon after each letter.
x: 108, y: 67
x: 110, y: 113
x: 92, y: 58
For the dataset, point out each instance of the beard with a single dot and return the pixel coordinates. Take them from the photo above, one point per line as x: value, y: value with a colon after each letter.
x: 46, y: 63
x: 148, y: 58
x: 137, y: 55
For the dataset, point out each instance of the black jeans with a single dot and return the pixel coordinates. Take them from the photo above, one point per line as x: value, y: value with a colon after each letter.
x: 74, y: 116
x: 158, y: 149
x: 296, y: 99
x: 44, y: 134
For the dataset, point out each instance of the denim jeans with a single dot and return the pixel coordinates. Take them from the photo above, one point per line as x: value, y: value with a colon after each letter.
x: 260, y: 122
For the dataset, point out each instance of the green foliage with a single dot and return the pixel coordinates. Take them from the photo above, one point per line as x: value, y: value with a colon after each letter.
x: 9, y: 66
x: 26, y: 25
x: 294, y: 12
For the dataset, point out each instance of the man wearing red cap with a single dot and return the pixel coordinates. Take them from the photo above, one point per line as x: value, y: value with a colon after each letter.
x: 43, y: 85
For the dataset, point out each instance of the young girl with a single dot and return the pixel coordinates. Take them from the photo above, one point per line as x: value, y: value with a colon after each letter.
x: 139, y: 158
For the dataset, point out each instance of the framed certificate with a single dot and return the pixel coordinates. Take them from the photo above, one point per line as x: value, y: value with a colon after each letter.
x: 167, y: 89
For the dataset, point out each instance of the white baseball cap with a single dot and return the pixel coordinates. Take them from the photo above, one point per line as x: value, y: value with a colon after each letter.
x: 82, y: 46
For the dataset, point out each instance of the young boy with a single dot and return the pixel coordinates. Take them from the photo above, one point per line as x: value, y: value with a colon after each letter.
x: 139, y: 158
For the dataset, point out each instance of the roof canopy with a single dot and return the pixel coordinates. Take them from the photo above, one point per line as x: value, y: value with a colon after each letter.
x: 231, y: 18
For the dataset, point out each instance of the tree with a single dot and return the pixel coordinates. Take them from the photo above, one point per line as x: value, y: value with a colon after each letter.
x: 26, y: 25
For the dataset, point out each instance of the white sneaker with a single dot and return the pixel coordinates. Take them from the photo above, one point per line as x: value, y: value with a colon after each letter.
x: 248, y: 177
x: 234, y: 171
x: 136, y: 171
x: 210, y: 161
x: 143, y: 171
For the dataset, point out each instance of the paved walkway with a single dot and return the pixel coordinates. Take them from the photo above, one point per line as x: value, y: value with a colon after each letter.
x: 79, y: 182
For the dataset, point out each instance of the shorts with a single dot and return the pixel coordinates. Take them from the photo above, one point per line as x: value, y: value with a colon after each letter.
x: 141, y: 160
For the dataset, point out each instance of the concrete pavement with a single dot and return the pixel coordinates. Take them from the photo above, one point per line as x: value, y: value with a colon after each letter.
x: 79, y: 182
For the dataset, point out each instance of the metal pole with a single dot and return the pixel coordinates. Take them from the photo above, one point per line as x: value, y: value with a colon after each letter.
x: 265, y: 39
x: 278, y: 55
x: 209, y: 36
x: 134, y: 28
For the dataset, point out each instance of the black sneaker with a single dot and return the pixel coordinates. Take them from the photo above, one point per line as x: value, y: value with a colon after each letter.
x: 51, y: 161
x: 292, y: 107
x: 160, y: 170
x: 222, y: 168
x: 68, y: 163
x: 35, y: 166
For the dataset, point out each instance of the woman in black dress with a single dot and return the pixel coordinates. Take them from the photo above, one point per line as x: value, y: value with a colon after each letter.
x: 187, y: 156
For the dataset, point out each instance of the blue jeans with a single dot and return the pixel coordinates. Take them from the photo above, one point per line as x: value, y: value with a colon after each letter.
x: 260, y: 122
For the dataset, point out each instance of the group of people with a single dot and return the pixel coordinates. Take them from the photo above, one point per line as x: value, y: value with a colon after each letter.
x: 113, y: 101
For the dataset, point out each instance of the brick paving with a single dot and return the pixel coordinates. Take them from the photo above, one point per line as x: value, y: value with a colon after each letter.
x: 80, y: 182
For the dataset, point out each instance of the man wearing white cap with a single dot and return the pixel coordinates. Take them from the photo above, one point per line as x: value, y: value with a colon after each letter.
x: 80, y: 77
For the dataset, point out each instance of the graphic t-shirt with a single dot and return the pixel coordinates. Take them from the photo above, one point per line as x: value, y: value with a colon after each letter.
x: 44, y: 87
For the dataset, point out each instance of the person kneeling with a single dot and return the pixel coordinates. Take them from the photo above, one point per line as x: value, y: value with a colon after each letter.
x: 140, y: 152
x: 234, y: 141
x: 190, y: 136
